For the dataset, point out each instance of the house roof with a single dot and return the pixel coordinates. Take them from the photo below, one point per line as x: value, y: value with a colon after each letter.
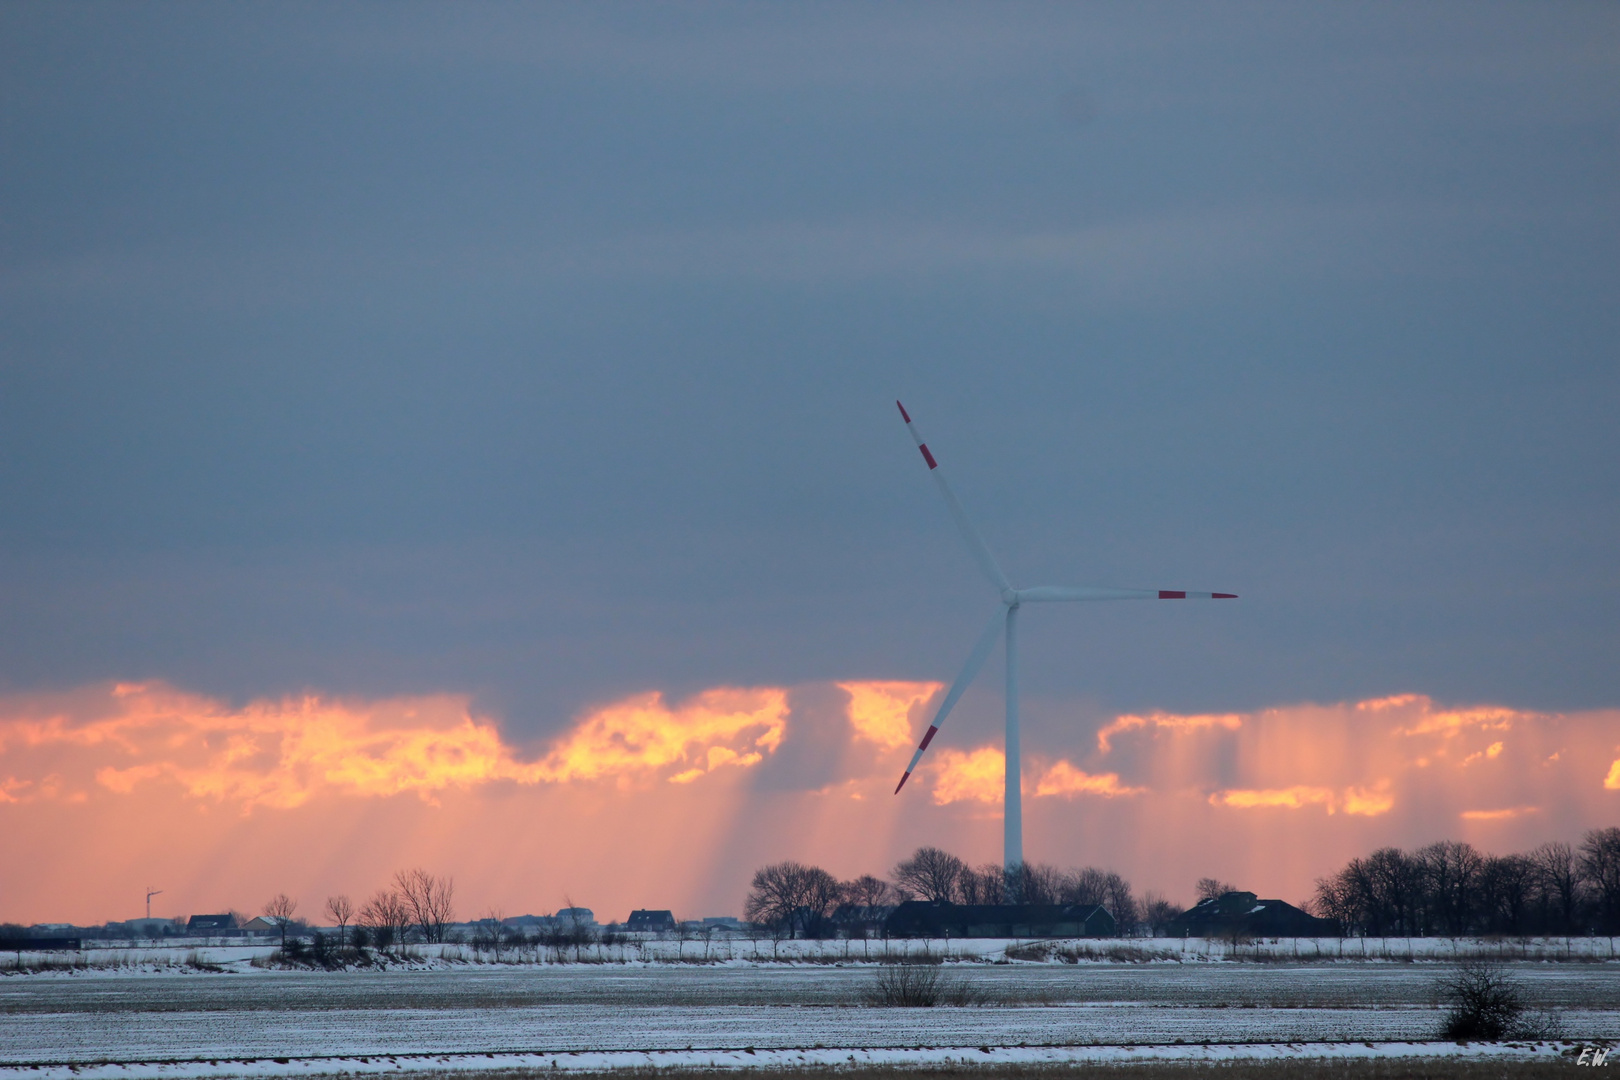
x: 211, y: 922
x: 1243, y: 912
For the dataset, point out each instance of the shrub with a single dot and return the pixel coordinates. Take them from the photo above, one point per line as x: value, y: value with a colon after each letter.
x: 1484, y: 1002
x: 919, y: 986
x: 905, y: 986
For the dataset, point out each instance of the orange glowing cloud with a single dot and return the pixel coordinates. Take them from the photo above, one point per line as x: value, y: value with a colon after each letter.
x: 638, y: 737
x: 1291, y: 798
x: 880, y: 712
x: 1165, y: 721
x: 1368, y: 802
x: 654, y: 802
x: 975, y: 776
x: 980, y: 776
x: 1499, y: 815
x: 1065, y: 780
x: 282, y: 754
x: 1448, y: 722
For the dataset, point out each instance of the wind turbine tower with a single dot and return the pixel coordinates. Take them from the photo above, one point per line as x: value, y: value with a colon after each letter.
x: 151, y: 892
x: 1005, y: 620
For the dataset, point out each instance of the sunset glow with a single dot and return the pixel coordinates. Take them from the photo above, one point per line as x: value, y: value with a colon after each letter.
x: 881, y: 711
x: 106, y: 786
x: 1066, y: 780
x: 968, y: 776
x: 1163, y: 721
x: 281, y: 754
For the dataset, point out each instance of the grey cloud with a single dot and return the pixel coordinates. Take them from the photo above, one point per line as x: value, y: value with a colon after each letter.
x: 549, y: 352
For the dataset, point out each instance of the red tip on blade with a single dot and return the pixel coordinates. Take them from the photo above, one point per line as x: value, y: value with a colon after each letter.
x: 928, y: 738
x: 932, y: 464
x: 1225, y: 596
x: 902, y: 782
x: 1172, y: 594
x: 903, y: 414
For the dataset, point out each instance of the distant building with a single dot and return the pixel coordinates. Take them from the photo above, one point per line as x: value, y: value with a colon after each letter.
x: 577, y: 916
x: 925, y: 918
x: 861, y: 920
x: 210, y: 924
x: 724, y: 922
x: 530, y: 922
x: 259, y: 925
x: 151, y: 928
x: 646, y: 921
x: 1243, y: 914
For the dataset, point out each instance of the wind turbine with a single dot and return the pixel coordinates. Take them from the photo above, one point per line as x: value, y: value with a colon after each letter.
x: 1006, y: 618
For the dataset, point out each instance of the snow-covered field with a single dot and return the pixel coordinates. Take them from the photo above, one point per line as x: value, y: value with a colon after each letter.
x: 505, y: 1065
x: 628, y: 1011
x: 656, y: 950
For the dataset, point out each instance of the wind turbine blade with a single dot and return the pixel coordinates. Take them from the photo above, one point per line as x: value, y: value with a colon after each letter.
x: 975, y: 542
x: 975, y: 661
x: 1041, y: 593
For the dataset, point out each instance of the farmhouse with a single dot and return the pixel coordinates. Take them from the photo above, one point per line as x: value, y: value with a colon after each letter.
x: 650, y: 921
x: 1242, y: 914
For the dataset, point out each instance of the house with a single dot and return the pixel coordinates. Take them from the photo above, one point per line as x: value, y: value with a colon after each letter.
x: 1242, y: 914
x: 926, y: 918
x: 259, y: 926
x: 576, y: 916
x: 724, y: 923
x: 646, y: 921
x: 210, y: 924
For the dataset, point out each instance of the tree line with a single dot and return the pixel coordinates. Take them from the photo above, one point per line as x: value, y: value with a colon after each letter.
x: 806, y: 901
x: 416, y: 904
x: 1451, y: 889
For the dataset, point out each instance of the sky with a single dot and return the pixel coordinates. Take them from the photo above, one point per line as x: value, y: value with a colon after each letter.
x: 465, y: 437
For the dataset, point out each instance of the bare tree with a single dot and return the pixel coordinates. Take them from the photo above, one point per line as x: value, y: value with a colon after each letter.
x: 1600, y: 869
x: 869, y: 899
x: 1453, y: 872
x: 1157, y: 912
x: 429, y: 899
x: 930, y: 874
x: 1036, y: 883
x: 1209, y: 888
x: 867, y: 891
x: 341, y: 910
x: 1558, y: 875
x: 387, y: 916
x: 791, y: 897
x: 1394, y: 887
x: 279, y: 910
x: 490, y: 933
x: 1120, y: 903
x: 1337, y: 898
x: 1087, y: 885
x: 986, y: 885
x: 1507, y: 887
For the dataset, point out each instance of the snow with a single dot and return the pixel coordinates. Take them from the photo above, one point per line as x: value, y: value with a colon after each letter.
x: 155, y: 1020
x: 628, y: 1009
x: 607, y: 1061
x: 743, y: 951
